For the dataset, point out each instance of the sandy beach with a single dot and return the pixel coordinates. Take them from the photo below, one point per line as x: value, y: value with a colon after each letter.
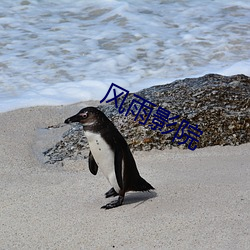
x: 201, y: 198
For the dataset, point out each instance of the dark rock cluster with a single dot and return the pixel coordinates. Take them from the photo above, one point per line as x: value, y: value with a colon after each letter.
x: 217, y: 105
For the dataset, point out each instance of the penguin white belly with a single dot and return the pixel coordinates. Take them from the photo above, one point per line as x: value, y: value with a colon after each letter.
x: 104, y: 157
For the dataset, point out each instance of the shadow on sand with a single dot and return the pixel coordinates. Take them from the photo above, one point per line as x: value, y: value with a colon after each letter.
x: 138, y: 198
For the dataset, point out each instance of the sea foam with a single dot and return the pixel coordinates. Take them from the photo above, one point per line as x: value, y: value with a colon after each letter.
x: 63, y: 52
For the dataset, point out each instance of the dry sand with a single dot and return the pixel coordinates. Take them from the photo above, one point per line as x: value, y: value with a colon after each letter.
x: 201, y: 201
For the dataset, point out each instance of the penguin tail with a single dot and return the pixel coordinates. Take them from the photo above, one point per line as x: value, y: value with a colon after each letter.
x: 141, y: 185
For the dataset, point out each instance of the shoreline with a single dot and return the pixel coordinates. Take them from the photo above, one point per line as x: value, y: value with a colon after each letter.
x: 201, y: 197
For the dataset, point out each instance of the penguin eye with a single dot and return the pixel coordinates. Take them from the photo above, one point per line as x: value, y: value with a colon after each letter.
x: 84, y: 115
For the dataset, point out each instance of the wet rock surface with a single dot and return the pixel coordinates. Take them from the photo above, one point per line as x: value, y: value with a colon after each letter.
x: 218, y: 105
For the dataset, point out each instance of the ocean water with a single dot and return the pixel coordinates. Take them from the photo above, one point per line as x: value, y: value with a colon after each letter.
x: 61, y: 52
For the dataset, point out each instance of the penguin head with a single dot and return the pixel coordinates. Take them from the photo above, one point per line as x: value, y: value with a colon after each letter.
x: 88, y: 117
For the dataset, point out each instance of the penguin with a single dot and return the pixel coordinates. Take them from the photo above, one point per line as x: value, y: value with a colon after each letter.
x: 110, y: 152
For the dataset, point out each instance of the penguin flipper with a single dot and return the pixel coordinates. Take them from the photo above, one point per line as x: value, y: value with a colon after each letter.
x: 118, y: 166
x: 93, y: 167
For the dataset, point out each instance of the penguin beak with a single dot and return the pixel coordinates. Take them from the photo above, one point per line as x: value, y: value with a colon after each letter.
x: 74, y: 118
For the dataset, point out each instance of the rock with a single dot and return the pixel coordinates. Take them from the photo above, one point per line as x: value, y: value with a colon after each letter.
x: 218, y: 105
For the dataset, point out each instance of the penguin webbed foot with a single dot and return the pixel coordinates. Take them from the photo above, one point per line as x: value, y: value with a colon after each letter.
x: 115, y: 203
x: 111, y: 193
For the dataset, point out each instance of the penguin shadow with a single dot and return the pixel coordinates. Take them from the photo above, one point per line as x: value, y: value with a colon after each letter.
x: 137, y: 198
